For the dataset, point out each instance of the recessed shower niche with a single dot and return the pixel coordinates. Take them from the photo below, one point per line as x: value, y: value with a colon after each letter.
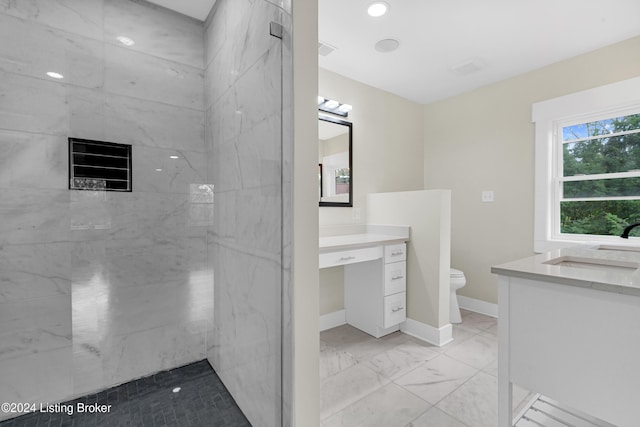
x: 99, y: 165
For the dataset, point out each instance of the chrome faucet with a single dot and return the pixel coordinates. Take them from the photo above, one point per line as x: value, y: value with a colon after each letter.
x: 625, y: 233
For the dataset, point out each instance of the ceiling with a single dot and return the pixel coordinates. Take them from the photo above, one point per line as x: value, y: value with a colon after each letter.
x: 503, y: 38
x: 198, y: 9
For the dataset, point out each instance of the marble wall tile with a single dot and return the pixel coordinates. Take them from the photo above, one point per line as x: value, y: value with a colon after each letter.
x: 37, y: 377
x: 174, y: 176
x: 258, y: 157
x: 142, y: 353
x: 155, y: 30
x: 48, y: 326
x: 32, y: 105
x: 126, y: 216
x: 31, y: 160
x: 34, y: 215
x: 35, y: 50
x: 34, y: 271
x: 86, y: 113
x: 153, y: 124
x: 155, y: 79
x: 264, y: 72
x: 115, y: 285
x: 83, y: 17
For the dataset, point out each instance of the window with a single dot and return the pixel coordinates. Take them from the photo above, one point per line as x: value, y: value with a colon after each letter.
x: 99, y: 166
x: 587, y: 165
x: 598, y: 177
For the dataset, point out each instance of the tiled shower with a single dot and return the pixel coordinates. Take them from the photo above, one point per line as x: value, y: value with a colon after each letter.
x: 100, y: 287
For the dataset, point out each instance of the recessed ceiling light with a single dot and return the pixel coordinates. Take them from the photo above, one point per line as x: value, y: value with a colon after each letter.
x: 125, y: 40
x: 55, y: 75
x: 158, y: 170
x: 176, y: 390
x: 174, y: 157
x: 387, y: 45
x: 377, y: 9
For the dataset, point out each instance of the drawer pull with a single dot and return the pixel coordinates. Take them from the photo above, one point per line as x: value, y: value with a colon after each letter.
x: 347, y: 258
x: 397, y: 278
x: 397, y: 253
x: 397, y: 309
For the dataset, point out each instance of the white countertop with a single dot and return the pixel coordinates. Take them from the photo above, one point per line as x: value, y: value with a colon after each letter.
x: 369, y: 235
x: 357, y: 240
x: 625, y: 281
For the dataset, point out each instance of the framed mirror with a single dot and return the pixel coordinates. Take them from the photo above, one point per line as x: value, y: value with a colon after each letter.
x: 335, y: 158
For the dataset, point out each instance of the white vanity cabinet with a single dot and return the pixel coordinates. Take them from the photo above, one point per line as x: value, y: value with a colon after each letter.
x: 375, y: 297
x: 375, y: 276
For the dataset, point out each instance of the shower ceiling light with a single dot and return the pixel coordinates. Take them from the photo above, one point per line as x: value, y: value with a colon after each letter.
x: 377, y: 9
x: 125, y: 40
x: 174, y: 157
x: 55, y: 75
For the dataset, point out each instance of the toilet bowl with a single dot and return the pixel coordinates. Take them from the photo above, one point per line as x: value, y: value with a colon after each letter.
x: 457, y: 281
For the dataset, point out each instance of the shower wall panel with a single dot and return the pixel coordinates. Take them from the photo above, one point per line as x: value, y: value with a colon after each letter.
x: 97, y: 288
x: 245, y: 161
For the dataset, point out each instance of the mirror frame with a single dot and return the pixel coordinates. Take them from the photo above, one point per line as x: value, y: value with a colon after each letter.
x: 348, y: 204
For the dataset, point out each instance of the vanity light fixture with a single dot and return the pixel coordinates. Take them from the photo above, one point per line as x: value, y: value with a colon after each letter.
x: 333, y: 107
x: 125, y: 40
x: 55, y: 75
x: 377, y: 9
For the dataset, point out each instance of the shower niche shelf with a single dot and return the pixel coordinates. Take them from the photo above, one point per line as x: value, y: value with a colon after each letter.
x: 99, y: 165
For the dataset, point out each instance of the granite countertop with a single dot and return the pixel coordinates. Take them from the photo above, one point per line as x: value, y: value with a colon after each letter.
x: 611, y: 268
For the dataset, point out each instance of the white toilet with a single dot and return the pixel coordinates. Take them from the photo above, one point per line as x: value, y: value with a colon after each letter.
x: 457, y: 280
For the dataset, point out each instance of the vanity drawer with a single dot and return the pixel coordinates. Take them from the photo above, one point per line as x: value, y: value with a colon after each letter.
x: 395, y: 277
x: 332, y: 259
x: 395, y: 309
x: 394, y: 253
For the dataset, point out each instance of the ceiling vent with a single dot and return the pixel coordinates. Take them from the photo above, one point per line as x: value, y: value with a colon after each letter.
x: 467, y: 67
x: 325, y: 49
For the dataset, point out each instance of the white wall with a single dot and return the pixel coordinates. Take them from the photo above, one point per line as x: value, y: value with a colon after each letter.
x: 304, y: 267
x: 428, y: 215
x: 387, y: 143
x: 484, y: 140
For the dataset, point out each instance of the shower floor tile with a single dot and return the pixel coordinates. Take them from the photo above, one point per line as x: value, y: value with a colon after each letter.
x: 202, y: 401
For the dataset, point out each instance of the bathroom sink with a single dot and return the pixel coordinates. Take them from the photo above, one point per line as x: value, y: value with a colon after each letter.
x: 618, y: 248
x: 593, y: 263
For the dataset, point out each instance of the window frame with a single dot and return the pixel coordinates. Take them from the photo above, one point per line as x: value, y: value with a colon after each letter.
x: 616, y: 99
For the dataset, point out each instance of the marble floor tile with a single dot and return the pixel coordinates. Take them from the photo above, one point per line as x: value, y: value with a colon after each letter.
x: 340, y: 390
x: 333, y: 361
x: 434, y: 417
x: 477, y: 321
x: 459, y: 379
x: 401, y: 359
x: 436, y: 378
x: 390, y: 405
x: 478, y: 351
x: 475, y: 402
x: 360, y: 344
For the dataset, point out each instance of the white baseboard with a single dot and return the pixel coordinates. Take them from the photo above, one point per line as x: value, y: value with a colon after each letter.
x: 428, y: 333
x: 478, y: 306
x: 331, y: 320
